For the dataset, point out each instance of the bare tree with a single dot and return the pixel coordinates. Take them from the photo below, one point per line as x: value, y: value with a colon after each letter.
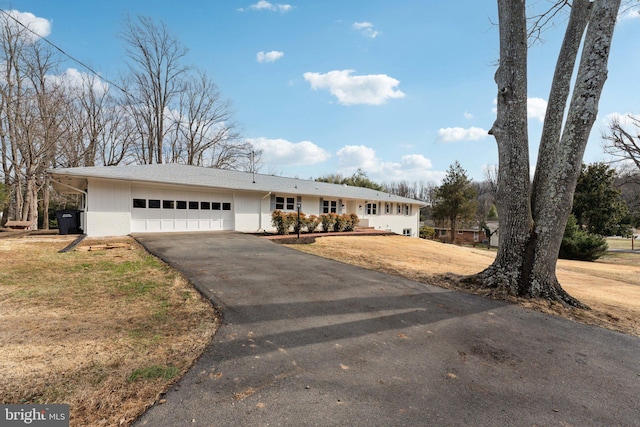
x: 49, y: 102
x: 622, y: 142
x: 14, y: 40
x: 532, y: 218
x: 154, y: 79
x: 205, y: 132
x: 413, y: 190
x: 31, y: 105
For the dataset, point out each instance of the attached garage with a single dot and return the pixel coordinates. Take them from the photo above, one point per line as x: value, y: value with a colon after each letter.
x: 119, y: 200
x: 157, y: 209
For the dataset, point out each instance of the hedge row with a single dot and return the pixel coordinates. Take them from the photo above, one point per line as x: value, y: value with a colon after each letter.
x: 288, y: 222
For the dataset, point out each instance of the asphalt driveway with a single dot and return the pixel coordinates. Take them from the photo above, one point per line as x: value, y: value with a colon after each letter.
x: 309, y: 341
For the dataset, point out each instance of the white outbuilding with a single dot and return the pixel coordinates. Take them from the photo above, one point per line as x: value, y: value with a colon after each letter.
x: 119, y: 200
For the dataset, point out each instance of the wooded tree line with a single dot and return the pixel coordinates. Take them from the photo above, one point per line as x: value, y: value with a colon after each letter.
x: 418, y: 190
x: 161, y: 110
x: 600, y: 202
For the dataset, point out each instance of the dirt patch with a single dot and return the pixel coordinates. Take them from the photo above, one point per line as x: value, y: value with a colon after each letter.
x: 611, y: 288
x: 106, y: 331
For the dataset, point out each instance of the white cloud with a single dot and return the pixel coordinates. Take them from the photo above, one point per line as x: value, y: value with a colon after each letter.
x: 536, y: 108
x: 468, y: 116
x: 411, y: 167
x: 372, y: 89
x: 629, y: 13
x: 271, y: 56
x: 461, y: 134
x: 280, y: 152
x: 626, y: 120
x: 366, y: 29
x: 414, y: 161
x: 39, y: 27
x: 357, y: 156
x: 265, y: 5
x: 75, y: 79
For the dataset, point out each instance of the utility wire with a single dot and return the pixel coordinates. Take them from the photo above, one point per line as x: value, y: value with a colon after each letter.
x: 77, y: 61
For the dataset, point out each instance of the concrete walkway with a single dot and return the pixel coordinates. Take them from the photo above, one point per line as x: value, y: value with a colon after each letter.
x: 309, y: 341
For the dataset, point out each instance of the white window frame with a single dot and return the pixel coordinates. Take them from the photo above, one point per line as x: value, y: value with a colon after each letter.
x: 329, y: 206
x: 372, y: 209
x: 285, y: 203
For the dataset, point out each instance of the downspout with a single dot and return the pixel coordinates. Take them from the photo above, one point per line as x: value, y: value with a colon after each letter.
x: 260, y: 227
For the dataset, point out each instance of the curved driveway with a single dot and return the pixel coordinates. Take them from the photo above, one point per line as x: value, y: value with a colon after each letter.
x: 309, y: 341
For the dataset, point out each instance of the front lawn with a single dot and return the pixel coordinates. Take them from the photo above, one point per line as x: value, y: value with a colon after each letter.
x: 104, y: 331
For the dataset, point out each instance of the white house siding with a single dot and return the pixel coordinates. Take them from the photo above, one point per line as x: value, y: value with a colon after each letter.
x: 310, y: 206
x: 247, y: 209
x: 108, y: 212
x: 404, y: 222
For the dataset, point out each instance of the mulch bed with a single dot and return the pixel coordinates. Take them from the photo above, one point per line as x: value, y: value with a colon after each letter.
x: 306, y: 238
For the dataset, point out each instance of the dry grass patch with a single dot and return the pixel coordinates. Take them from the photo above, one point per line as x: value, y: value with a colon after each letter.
x: 104, y: 331
x: 611, y: 287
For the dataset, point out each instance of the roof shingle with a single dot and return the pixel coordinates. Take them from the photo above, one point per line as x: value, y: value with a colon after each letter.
x: 227, y: 179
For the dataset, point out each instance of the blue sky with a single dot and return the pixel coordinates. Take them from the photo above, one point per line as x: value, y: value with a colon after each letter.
x: 400, y: 88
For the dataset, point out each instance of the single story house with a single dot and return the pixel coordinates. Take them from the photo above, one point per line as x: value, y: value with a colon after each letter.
x: 471, y: 235
x: 119, y: 200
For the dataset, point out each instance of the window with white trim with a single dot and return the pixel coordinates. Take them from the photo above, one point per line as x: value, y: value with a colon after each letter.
x: 406, y: 232
x: 372, y: 209
x: 285, y: 203
x: 387, y: 208
x: 329, y: 206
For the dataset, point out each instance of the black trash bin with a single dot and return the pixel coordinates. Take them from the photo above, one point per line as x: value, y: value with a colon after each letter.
x: 68, y: 221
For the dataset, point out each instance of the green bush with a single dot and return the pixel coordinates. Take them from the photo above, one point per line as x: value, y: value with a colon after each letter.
x: 292, y: 218
x: 285, y: 222
x: 340, y: 223
x: 427, y: 232
x: 328, y: 220
x: 579, y: 245
x: 311, y: 222
x: 351, y: 220
x: 280, y: 221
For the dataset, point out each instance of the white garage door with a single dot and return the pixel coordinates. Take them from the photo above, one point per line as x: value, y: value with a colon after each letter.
x: 171, y: 210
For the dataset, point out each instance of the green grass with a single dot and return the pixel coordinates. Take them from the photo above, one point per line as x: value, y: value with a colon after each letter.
x: 621, y: 243
x: 622, y: 258
x: 153, y: 372
x: 106, y: 326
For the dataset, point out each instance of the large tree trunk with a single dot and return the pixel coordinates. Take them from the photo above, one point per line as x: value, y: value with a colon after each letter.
x: 511, y: 134
x: 531, y: 228
x: 560, y: 159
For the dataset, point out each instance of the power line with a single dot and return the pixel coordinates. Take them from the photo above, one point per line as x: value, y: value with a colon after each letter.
x: 77, y: 61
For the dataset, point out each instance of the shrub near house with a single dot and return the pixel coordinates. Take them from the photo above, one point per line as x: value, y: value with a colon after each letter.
x: 285, y: 222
